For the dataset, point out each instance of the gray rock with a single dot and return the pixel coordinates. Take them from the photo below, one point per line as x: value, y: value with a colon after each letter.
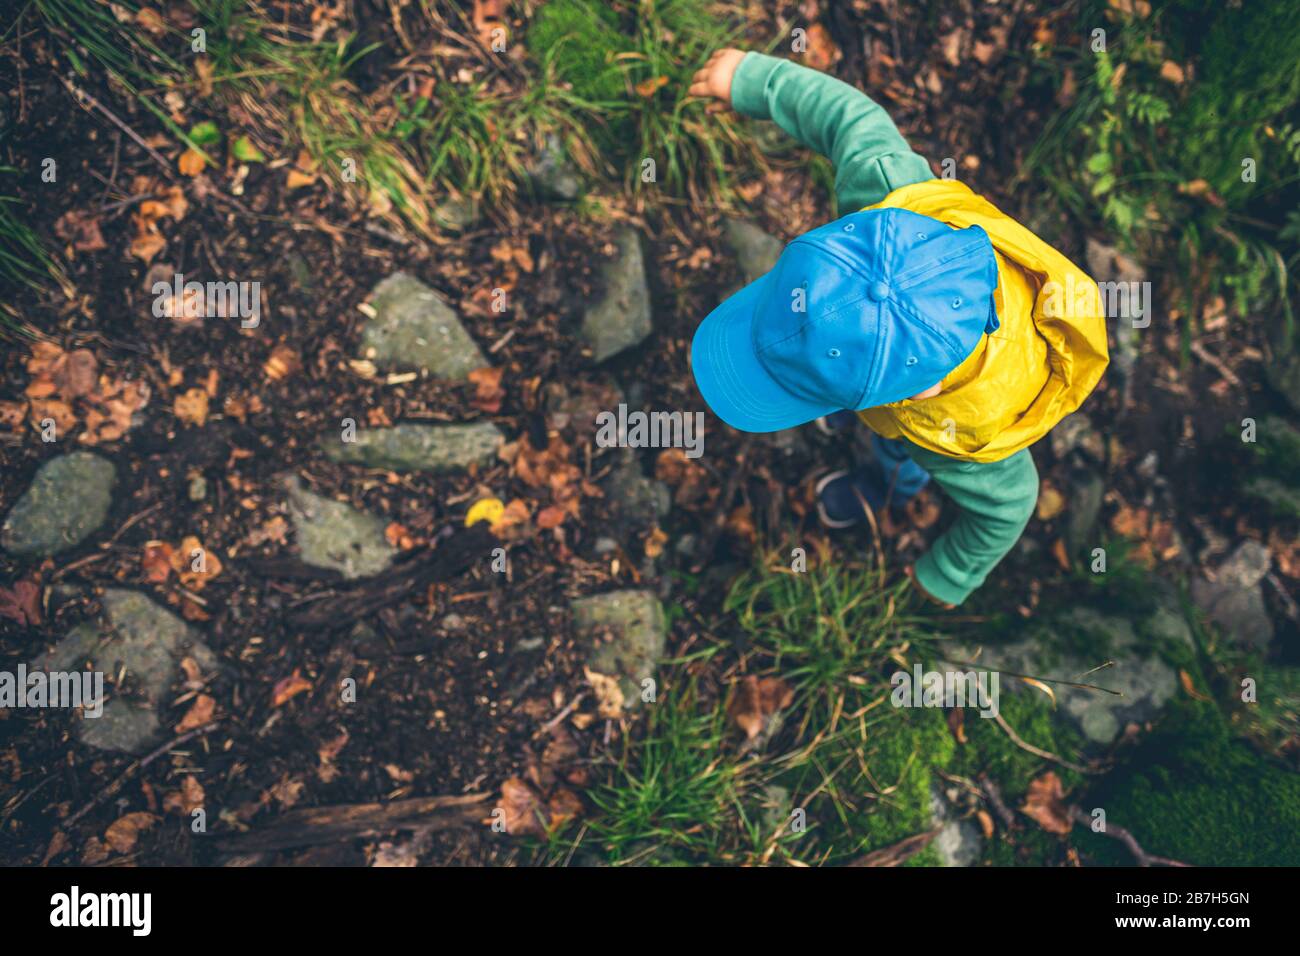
x: 622, y: 317
x: 626, y: 631
x: 145, y: 644
x: 411, y: 447
x: 333, y: 534
x: 958, y: 842
x: 553, y: 176
x: 1144, y: 681
x: 1087, y: 490
x: 456, y: 213
x: 1233, y: 599
x: 1075, y: 432
x: 637, y: 502
x: 414, y: 327
x: 68, y: 500
x: 756, y: 251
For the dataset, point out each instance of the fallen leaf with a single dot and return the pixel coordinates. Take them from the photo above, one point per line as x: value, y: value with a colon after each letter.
x: 191, y: 162
x: 194, y: 564
x: 522, y: 810
x: 1171, y: 71
x: 648, y: 88
x: 485, y: 509
x: 756, y: 700
x: 186, y: 800
x: 123, y: 833
x: 200, y: 713
x: 288, y: 688
x: 21, y: 603
x: 156, y: 561
x: 1050, y: 502
x: 191, y: 406
x: 81, y: 229
x: 1045, y: 804
x: 282, y: 363
x: 609, y: 695
x: 488, y: 391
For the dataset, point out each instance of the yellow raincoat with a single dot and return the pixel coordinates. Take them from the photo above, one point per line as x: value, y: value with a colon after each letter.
x: 1039, y: 366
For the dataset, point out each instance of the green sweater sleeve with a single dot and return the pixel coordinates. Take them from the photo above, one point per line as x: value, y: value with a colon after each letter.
x: 996, y: 500
x: 871, y: 157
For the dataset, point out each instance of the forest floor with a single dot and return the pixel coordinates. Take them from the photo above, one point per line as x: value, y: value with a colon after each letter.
x: 461, y: 675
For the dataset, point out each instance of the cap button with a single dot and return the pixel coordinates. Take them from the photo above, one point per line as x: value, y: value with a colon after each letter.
x: 878, y: 291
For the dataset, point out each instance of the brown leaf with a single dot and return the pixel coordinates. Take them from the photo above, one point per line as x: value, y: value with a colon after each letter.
x: 288, y: 688
x: 756, y: 700
x: 122, y: 834
x: 200, y: 713
x: 12, y: 414
x: 898, y: 853
x: 186, y: 800
x: 21, y: 603
x: 156, y: 561
x: 609, y: 695
x: 282, y: 363
x: 194, y: 564
x: 82, y: 230
x: 521, y: 808
x: 1045, y: 804
x: 191, y: 406
x: 1050, y: 502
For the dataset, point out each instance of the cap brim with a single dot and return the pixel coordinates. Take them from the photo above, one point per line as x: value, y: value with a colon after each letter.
x: 733, y: 381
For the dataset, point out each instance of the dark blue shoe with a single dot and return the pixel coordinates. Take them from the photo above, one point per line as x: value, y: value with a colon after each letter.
x: 839, y: 421
x: 842, y: 496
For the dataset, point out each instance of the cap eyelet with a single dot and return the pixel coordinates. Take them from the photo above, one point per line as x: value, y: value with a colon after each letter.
x: 849, y: 227
x: 956, y: 302
x: 833, y: 353
x: 921, y: 235
x: 911, y: 360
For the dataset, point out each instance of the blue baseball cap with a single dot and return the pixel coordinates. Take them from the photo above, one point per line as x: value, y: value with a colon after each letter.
x: 863, y: 311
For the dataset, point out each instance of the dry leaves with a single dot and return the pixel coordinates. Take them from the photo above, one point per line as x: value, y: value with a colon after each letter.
x: 200, y: 713
x: 1045, y: 804
x: 64, y: 383
x: 186, y: 800
x: 21, y: 603
x: 756, y: 701
x: 1156, y: 537
x: 191, y: 406
x: 609, y: 695
x: 123, y: 833
x: 165, y: 202
x: 288, y: 688
x: 488, y: 393
x: 81, y: 231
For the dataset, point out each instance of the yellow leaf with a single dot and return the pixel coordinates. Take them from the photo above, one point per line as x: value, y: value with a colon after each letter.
x: 191, y: 406
x: 485, y: 509
x: 647, y: 88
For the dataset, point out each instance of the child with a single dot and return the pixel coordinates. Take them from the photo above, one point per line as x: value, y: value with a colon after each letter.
x: 931, y: 314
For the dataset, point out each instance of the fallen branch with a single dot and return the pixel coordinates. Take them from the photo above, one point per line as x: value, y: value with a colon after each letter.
x: 366, y: 597
x: 899, y: 853
x: 317, y: 826
x: 1119, y: 833
x: 135, y: 768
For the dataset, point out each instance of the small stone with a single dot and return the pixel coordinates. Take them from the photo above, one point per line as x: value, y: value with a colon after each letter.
x: 636, y: 501
x: 144, y: 643
x: 456, y: 214
x: 333, y: 534
x: 626, y: 631
x: 622, y: 316
x: 414, y: 327
x: 756, y: 251
x: 1076, y: 432
x: 453, y: 622
x: 1087, y: 491
x: 553, y: 176
x: 1233, y: 599
x: 413, y: 447
x: 198, y: 488
x: 958, y: 842
x: 68, y: 500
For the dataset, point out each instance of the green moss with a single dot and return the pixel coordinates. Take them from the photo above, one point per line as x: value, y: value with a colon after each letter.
x: 1193, y: 792
x: 874, y: 786
x: 989, y: 750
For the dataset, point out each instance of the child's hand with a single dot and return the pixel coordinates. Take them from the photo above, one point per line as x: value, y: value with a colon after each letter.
x: 714, y: 78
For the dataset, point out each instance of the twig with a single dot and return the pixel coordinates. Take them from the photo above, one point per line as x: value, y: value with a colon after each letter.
x: 1038, y: 752
x: 1119, y: 833
x: 994, y: 797
x: 899, y: 853
x: 82, y: 98
x: 135, y: 768
x: 1202, y: 353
